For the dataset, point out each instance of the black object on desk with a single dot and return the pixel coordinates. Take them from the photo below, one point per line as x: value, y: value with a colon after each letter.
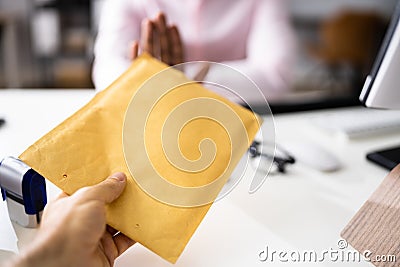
x: 2, y: 121
x: 387, y: 158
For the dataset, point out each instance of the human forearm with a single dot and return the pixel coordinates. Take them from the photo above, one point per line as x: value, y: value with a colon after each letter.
x: 36, y: 256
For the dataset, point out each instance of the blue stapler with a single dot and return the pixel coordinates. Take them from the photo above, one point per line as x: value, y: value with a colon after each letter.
x: 24, y: 190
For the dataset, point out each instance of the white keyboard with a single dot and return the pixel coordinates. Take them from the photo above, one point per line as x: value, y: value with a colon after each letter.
x: 358, y: 122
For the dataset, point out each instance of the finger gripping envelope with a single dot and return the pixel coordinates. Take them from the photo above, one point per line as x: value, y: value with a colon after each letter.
x: 177, y: 142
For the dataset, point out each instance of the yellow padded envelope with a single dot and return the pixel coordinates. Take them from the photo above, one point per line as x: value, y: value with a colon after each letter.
x: 116, y: 131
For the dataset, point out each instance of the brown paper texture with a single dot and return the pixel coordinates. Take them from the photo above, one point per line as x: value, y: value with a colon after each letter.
x: 89, y: 146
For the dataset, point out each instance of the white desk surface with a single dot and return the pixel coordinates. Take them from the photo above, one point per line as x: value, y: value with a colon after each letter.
x: 301, y: 210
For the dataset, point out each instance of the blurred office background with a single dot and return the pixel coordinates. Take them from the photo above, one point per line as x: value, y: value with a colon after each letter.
x: 49, y: 43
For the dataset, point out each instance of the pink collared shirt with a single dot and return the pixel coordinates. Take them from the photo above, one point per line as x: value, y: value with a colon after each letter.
x: 252, y: 36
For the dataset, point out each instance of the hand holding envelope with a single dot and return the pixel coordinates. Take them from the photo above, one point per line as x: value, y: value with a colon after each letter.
x: 177, y: 142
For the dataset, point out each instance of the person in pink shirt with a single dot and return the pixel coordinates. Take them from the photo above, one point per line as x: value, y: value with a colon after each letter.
x: 252, y: 36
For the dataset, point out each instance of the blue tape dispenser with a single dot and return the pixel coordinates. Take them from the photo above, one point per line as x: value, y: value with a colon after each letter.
x: 24, y: 190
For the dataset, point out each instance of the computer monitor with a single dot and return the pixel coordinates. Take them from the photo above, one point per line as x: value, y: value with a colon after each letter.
x: 382, y: 86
